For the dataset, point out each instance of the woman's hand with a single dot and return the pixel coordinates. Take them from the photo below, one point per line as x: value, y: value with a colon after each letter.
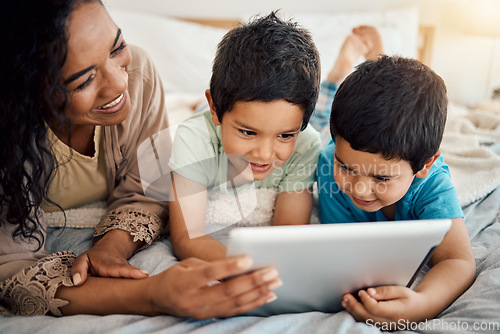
x: 191, y: 288
x: 108, y: 258
x: 200, y: 289
x: 389, y: 306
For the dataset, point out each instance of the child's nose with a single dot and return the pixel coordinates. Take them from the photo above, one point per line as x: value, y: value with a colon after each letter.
x: 264, y: 150
x: 362, y: 187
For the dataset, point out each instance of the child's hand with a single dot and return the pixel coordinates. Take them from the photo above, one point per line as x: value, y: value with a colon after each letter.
x: 386, y: 304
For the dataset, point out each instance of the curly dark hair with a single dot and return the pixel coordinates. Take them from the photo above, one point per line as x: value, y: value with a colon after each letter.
x: 265, y: 60
x: 34, y: 48
x: 394, y: 106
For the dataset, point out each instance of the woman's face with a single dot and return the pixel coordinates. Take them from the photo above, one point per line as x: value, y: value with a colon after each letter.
x: 95, y: 71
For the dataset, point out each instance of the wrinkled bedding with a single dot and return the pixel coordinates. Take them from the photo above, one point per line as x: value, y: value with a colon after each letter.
x: 476, y: 311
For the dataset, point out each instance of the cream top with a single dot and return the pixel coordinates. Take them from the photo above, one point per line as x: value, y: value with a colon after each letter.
x: 79, y: 179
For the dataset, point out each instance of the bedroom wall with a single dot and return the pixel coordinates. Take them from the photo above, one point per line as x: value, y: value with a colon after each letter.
x: 462, y: 60
x: 470, y: 64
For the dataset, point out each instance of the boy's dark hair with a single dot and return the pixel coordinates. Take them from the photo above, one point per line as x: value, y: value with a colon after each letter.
x: 266, y: 60
x: 394, y: 106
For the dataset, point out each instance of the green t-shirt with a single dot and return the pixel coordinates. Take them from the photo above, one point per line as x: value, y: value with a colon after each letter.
x: 197, y: 154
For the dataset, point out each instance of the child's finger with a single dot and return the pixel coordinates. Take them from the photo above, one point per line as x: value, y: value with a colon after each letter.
x: 355, y: 308
x: 388, y: 292
x: 373, y: 306
x: 367, y: 300
x: 385, y: 301
x: 368, y: 308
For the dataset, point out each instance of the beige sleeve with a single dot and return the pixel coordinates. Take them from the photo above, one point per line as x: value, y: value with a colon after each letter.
x: 142, y: 225
x: 29, y: 277
x: 129, y: 208
x: 32, y: 290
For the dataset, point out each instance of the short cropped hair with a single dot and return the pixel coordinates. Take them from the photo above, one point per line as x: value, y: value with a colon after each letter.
x: 394, y: 106
x: 265, y: 60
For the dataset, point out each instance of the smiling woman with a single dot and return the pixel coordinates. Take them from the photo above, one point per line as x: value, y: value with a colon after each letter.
x: 95, y: 69
x: 78, y: 102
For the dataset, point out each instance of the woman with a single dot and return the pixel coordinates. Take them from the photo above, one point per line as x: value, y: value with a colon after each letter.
x: 76, y: 104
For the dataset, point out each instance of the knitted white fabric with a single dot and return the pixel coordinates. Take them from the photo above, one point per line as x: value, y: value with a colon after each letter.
x: 82, y: 217
x: 470, y: 140
x: 254, y: 208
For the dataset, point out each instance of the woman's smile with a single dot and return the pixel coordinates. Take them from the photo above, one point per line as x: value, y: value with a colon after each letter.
x: 113, y: 106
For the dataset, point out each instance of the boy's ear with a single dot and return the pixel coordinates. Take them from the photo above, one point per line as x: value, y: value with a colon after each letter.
x: 215, y: 119
x: 427, y: 166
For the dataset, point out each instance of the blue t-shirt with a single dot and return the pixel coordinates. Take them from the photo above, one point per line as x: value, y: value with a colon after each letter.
x: 433, y: 197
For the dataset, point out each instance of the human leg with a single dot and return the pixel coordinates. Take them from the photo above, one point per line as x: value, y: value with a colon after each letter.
x: 352, y: 49
x: 372, y: 37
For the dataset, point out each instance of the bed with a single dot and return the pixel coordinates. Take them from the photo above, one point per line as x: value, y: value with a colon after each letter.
x: 183, y: 51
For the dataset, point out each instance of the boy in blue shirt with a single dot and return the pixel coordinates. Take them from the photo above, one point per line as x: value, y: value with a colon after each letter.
x: 387, y: 123
x: 263, y: 90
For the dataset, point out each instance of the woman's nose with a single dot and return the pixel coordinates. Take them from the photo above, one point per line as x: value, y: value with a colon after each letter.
x: 116, y: 80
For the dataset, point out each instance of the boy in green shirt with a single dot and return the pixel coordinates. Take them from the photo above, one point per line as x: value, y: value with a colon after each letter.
x: 263, y: 90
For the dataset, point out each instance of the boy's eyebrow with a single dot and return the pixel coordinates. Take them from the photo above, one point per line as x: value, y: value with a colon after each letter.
x: 384, y: 176
x: 292, y: 130
x: 238, y: 123
x: 252, y: 129
x: 78, y: 74
x: 371, y: 175
x: 341, y: 162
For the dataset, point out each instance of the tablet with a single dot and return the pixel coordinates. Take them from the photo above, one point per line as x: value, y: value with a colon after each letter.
x: 319, y: 263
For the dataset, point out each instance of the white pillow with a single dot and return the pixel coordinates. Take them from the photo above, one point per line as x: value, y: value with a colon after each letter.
x: 398, y: 28
x: 183, y: 51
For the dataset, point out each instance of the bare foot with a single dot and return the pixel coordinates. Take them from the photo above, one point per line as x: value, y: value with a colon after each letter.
x: 352, y: 49
x: 372, y: 37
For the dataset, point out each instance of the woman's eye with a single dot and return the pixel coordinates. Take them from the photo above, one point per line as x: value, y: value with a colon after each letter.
x: 85, y: 84
x: 247, y: 132
x: 119, y: 49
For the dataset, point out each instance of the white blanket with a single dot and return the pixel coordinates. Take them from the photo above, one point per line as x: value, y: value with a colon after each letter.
x: 257, y: 209
x: 83, y: 217
x: 470, y: 140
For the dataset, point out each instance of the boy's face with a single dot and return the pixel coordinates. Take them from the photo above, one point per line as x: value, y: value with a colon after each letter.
x: 370, y: 181
x: 260, y: 135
